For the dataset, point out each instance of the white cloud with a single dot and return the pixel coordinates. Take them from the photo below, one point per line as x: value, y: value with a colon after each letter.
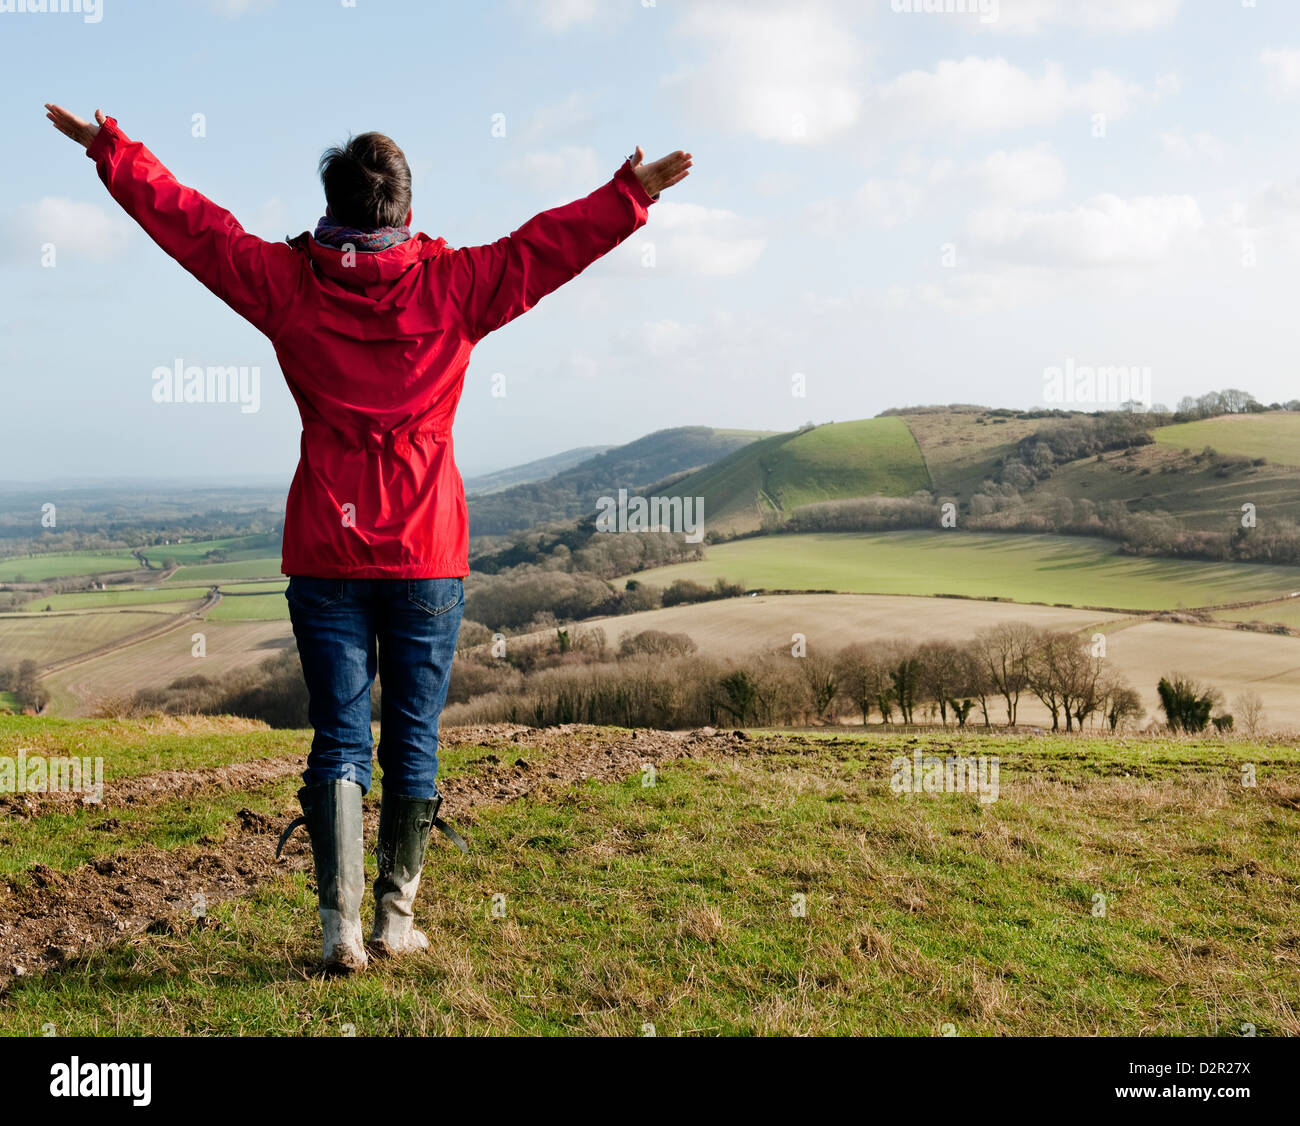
x: 83, y: 229
x: 691, y: 239
x: 878, y: 203
x: 1002, y: 179
x: 1105, y: 231
x: 1115, y: 16
x: 787, y: 73
x: 979, y: 94
x: 1021, y: 177
x: 1283, y: 68
x: 1199, y: 146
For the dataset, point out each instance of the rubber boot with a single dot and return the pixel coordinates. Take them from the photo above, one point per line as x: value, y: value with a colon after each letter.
x: 404, y: 826
x: 332, y: 814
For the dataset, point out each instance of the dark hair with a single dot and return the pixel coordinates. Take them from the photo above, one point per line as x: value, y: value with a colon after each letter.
x: 367, y: 182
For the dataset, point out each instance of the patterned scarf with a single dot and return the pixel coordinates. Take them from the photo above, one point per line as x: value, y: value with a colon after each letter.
x: 330, y: 233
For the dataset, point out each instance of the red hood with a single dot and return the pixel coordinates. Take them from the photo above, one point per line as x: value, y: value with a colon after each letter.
x: 371, y: 272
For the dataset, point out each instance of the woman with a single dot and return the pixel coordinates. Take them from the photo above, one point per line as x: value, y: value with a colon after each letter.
x: 373, y: 326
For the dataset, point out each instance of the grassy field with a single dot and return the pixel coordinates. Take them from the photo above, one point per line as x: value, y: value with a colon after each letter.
x: 845, y: 459
x: 1284, y: 613
x: 235, y: 547
x: 238, y: 607
x: 1124, y: 887
x: 260, y: 567
x: 114, y: 599
x: 1073, y: 570
x: 1275, y: 436
x: 38, y: 568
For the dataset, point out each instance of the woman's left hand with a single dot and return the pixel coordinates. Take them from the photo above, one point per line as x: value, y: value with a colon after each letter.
x: 70, y: 125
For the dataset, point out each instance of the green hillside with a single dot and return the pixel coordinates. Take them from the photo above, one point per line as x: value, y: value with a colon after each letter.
x: 574, y: 492
x: 1275, y: 436
x: 875, y: 456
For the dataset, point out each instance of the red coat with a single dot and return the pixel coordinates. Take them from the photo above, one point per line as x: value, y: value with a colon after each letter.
x: 374, y: 353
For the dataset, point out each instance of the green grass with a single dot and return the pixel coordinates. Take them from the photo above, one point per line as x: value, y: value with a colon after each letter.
x: 250, y: 607
x: 110, y: 599
x: 1071, y: 570
x: 672, y: 906
x: 876, y: 456
x: 261, y: 567
x: 236, y: 548
x: 58, y: 565
x: 1275, y: 436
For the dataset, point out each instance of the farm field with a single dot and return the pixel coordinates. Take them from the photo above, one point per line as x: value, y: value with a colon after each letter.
x: 160, y: 660
x: 736, y: 626
x: 259, y: 567
x: 45, y: 638
x: 1283, y: 613
x: 1141, y: 650
x: 237, y: 606
x: 671, y: 904
x: 1233, y: 661
x: 1275, y: 436
x: 1075, y: 570
x: 115, y: 599
x: 37, y: 568
x: 235, y: 547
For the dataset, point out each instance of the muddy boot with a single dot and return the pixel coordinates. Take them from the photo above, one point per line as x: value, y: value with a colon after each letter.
x: 404, y: 826
x: 332, y: 813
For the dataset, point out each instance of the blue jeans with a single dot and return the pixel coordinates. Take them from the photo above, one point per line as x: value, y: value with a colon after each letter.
x: 346, y: 630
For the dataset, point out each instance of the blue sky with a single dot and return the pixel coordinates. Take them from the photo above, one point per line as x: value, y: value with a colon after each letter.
x: 900, y: 207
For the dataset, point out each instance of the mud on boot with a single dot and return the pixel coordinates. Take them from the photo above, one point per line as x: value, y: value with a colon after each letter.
x: 331, y: 812
x: 404, y: 827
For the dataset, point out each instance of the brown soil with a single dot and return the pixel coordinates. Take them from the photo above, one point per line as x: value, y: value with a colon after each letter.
x: 56, y: 916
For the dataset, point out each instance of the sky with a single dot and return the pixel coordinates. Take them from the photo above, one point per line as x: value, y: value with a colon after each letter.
x: 887, y: 207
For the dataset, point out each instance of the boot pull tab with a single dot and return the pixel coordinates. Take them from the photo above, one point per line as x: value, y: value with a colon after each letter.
x: 450, y: 833
x: 287, y: 833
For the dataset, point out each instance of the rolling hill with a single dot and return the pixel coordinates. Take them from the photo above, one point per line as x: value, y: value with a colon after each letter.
x: 540, y: 470
x: 574, y: 492
x: 875, y: 456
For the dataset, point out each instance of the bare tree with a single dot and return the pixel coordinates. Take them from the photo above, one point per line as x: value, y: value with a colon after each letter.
x: 1249, y: 708
x: 1002, y: 652
x: 863, y: 678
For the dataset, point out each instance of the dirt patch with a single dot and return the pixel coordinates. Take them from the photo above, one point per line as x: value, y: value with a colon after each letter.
x: 165, y: 785
x: 57, y: 916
